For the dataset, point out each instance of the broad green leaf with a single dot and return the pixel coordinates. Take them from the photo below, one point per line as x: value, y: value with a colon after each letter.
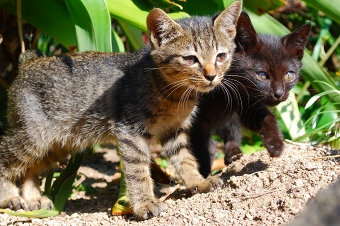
x: 201, y: 7
x: 127, y: 11
x: 117, y: 43
x: 263, y: 6
x: 62, y: 186
x: 135, y: 12
x: 290, y: 115
x: 327, y: 116
x: 42, y: 213
x: 329, y: 7
x: 51, y: 17
x: 178, y: 15
x: 133, y: 35
x: 331, y: 115
x: 92, y: 24
x: 64, y: 192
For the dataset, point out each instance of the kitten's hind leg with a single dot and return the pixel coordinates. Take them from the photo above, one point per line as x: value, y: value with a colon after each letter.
x: 136, y: 160
x: 186, y: 165
x: 9, y: 169
x: 18, y: 161
x: 9, y: 195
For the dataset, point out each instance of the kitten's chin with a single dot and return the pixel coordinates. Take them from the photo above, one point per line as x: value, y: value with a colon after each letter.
x: 205, y: 89
x: 272, y: 103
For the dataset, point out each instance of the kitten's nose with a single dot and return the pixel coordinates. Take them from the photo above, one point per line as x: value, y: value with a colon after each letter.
x: 209, y: 72
x: 210, y: 77
x: 278, y: 94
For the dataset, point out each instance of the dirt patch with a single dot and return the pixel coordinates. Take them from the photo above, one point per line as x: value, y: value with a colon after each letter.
x: 258, y: 190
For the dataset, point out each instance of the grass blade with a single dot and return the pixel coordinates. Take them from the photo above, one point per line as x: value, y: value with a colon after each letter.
x: 329, y: 7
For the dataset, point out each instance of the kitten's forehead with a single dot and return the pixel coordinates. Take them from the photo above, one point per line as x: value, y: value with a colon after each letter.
x: 204, y: 37
x: 272, y: 56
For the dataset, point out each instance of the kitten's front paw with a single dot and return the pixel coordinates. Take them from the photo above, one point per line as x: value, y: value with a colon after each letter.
x: 150, y: 209
x: 40, y: 203
x: 232, y: 154
x: 207, y: 185
x: 274, y: 147
x: 14, y: 203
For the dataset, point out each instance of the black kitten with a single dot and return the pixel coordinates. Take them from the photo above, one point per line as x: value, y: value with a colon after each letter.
x: 264, y: 69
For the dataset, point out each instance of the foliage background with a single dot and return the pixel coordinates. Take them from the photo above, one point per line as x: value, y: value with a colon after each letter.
x: 56, y: 26
x: 119, y: 25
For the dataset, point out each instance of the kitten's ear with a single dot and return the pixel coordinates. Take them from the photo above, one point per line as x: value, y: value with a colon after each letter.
x: 161, y: 27
x: 296, y: 41
x: 246, y: 39
x: 226, y: 21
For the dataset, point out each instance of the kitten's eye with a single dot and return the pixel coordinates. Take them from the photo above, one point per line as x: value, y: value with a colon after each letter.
x: 262, y: 75
x: 221, y: 57
x: 289, y: 76
x: 190, y: 59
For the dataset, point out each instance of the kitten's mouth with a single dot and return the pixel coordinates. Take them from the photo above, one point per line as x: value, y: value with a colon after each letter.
x: 206, y: 88
x: 275, y: 102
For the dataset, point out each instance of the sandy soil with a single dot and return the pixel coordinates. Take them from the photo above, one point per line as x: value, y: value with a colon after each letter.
x: 258, y: 190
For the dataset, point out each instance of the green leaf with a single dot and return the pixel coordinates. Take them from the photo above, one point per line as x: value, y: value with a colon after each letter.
x: 92, y: 24
x: 135, y: 12
x: 290, y: 115
x: 117, y: 43
x: 64, y: 192
x: 263, y: 6
x: 201, y: 7
x: 42, y: 213
x: 62, y: 186
x: 133, y: 35
x: 329, y: 7
x: 48, y: 183
x: 127, y: 11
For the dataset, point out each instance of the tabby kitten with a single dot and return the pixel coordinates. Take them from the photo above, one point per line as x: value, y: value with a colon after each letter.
x: 62, y: 104
x: 264, y: 69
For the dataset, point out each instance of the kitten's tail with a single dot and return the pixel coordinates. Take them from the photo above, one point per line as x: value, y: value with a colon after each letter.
x: 30, y: 54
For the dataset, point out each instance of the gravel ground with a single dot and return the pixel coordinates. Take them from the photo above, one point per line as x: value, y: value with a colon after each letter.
x: 258, y: 190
